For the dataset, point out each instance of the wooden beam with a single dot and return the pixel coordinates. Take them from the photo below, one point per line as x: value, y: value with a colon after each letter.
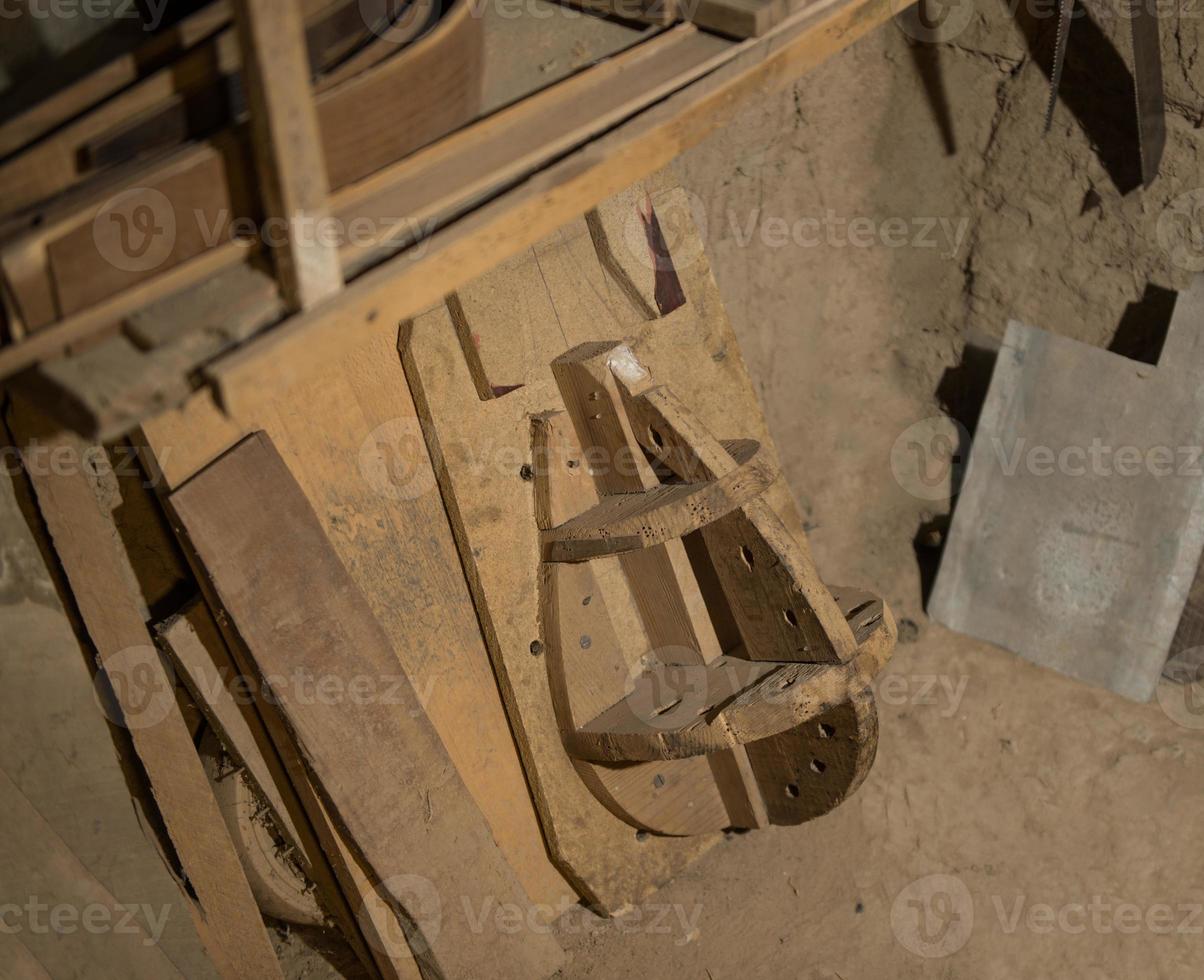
x: 288, y: 147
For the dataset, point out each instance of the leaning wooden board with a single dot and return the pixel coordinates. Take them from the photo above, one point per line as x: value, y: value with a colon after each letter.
x: 353, y: 442
x: 378, y: 762
x: 78, y: 507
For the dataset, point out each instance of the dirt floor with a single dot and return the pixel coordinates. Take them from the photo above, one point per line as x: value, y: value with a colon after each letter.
x: 1016, y: 824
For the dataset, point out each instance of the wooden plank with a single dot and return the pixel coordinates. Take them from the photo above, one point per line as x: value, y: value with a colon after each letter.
x: 741, y: 18
x: 192, y: 640
x: 629, y: 521
x: 72, y: 765
x: 85, y: 538
x: 228, y: 697
x: 381, y: 767
x: 288, y: 147
x: 353, y: 442
x: 490, y: 508
x: 47, y: 343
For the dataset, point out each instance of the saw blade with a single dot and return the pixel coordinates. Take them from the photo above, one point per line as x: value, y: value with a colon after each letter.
x: 1065, y: 15
x: 1147, y: 79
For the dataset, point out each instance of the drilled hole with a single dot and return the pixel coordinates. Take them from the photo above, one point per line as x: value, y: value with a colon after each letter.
x: 657, y: 439
x: 826, y: 730
x: 792, y: 790
x: 746, y: 556
x: 817, y: 767
x: 790, y: 617
x: 536, y: 648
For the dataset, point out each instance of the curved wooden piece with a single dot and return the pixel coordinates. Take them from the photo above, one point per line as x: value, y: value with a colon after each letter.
x: 693, y: 710
x: 586, y: 666
x: 782, y: 609
x: 809, y: 771
x: 630, y: 521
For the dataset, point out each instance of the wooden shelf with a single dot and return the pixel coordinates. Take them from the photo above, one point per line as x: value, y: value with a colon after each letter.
x: 495, y: 187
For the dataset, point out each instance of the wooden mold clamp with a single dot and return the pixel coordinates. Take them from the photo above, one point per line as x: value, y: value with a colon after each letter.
x: 791, y: 699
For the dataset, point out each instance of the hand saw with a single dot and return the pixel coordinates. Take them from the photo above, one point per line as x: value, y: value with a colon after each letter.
x: 1147, y: 79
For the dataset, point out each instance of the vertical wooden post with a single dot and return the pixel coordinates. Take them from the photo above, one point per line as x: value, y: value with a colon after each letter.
x: 288, y: 150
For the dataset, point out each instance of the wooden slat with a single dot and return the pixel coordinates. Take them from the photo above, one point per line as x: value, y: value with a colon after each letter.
x: 78, y: 514
x: 381, y: 767
x: 191, y: 638
x: 210, y: 668
x: 288, y: 147
x: 630, y: 521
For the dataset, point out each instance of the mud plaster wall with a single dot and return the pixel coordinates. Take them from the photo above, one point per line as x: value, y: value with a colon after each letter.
x: 851, y: 343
